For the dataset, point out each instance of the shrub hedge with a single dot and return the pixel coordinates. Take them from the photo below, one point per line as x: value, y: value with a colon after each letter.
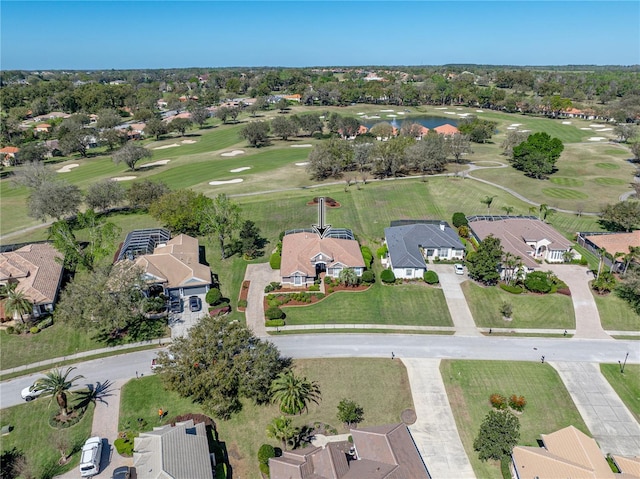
x: 274, y: 323
x: 275, y: 260
x: 511, y: 289
x: 213, y: 296
x: 387, y: 276
x: 368, y: 277
x: 431, y: 277
x: 274, y: 312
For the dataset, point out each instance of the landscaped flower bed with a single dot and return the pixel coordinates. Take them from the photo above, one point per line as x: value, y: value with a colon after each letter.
x: 244, y: 294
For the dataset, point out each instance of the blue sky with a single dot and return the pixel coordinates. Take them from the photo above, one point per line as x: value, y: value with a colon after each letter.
x: 173, y: 34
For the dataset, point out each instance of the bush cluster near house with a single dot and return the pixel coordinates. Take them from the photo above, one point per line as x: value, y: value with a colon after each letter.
x: 387, y: 276
x: 431, y: 277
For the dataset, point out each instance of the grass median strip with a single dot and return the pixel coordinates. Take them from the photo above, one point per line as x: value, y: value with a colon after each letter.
x: 626, y: 385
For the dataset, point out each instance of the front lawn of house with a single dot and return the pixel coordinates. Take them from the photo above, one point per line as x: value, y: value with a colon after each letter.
x: 36, y: 439
x: 382, y: 399
x: 470, y: 383
x: 549, y: 311
x: 414, y: 304
x: 616, y: 314
x: 626, y: 384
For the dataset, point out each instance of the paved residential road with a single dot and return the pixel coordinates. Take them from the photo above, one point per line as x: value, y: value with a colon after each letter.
x: 125, y: 366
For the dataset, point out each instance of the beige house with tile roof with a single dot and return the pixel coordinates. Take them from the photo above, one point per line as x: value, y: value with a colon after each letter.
x: 38, y: 270
x: 567, y: 453
x: 379, y: 452
x: 613, y: 244
x: 305, y: 255
x: 529, y: 238
x: 173, y: 452
x: 176, y: 266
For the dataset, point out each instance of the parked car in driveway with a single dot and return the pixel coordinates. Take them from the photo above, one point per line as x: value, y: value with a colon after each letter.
x: 195, y: 304
x: 90, y: 459
x: 155, y: 364
x: 176, y: 305
x: 30, y: 393
x: 121, y: 473
x: 459, y: 268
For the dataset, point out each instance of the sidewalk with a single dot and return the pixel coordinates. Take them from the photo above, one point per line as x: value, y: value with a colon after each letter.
x: 85, y: 354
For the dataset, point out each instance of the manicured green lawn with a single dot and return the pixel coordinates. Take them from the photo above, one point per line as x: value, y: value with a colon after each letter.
x: 529, y: 311
x: 55, y: 341
x: 626, y: 384
x: 616, y: 314
x: 405, y: 304
x: 383, y: 400
x: 470, y: 383
x: 36, y: 439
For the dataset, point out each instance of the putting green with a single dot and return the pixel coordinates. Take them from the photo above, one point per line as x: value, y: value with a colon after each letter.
x: 611, y: 151
x: 564, y: 194
x: 563, y: 181
x: 605, y: 181
x: 607, y: 166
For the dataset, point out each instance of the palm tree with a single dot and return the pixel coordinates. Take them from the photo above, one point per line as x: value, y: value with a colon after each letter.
x: 487, y: 200
x: 56, y: 384
x: 294, y: 392
x: 508, y: 209
x: 634, y: 254
x: 280, y: 428
x: 16, y: 301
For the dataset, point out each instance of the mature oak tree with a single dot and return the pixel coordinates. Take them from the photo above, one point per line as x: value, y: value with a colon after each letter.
x: 621, y: 216
x: 104, y: 194
x: 180, y: 210
x: 284, y: 127
x: 131, y: 154
x: 256, y: 133
x: 56, y: 199
x: 219, y: 362
x: 144, y: 192
x: 219, y: 218
x: 537, y: 155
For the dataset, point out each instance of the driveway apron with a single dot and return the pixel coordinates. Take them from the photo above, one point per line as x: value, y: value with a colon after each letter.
x: 610, y: 422
x: 434, y: 431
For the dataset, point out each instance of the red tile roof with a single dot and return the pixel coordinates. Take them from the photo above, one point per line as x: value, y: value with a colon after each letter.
x: 446, y: 129
x: 37, y: 269
x: 298, y: 249
x: 9, y: 150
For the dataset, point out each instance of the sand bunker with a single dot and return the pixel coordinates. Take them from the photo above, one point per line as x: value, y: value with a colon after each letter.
x: 392, y: 116
x: 305, y: 145
x: 123, y: 178
x: 479, y: 111
x: 188, y: 142
x: 361, y: 113
x: 400, y: 113
x: 585, y: 128
x: 173, y: 145
x: 464, y: 114
x: 597, y: 126
x: 597, y: 138
x: 516, y: 124
x: 68, y: 168
x: 605, y: 129
x: 566, y: 122
x: 374, y: 117
x: 303, y: 163
x: 441, y: 108
x: 232, y: 153
x: 387, y: 111
x: 155, y: 163
x: 511, y: 128
x: 450, y: 112
x: 221, y: 182
x: 238, y: 170
x: 524, y: 131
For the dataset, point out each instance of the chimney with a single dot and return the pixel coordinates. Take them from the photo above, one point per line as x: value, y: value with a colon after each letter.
x: 441, y: 226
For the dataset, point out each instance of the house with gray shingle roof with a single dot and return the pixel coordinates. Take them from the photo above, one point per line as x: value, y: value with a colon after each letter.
x: 411, y: 245
x: 177, y: 452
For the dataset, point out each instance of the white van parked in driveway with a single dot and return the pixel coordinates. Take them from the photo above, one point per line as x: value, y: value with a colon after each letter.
x: 90, y: 460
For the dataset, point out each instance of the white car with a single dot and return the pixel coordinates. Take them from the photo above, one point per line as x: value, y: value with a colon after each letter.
x: 459, y: 268
x: 90, y: 459
x: 30, y: 393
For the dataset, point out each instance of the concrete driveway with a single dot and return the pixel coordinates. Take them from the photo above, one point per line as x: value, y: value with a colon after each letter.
x: 456, y: 301
x: 435, y: 432
x: 181, y: 322
x: 604, y: 413
x: 577, y: 277
x: 259, y: 275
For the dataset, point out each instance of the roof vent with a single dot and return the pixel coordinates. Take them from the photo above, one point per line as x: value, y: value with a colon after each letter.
x: 441, y: 226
